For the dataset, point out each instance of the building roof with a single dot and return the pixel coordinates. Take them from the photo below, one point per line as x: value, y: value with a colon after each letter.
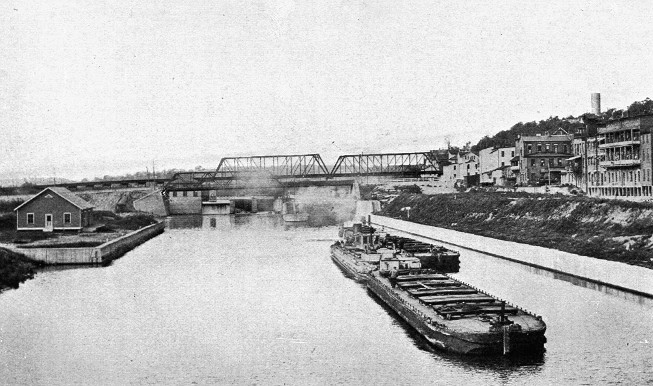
x: 66, y: 195
x: 546, y: 138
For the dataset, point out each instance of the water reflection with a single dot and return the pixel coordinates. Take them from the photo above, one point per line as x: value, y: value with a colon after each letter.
x: 606, y: 289
x: 246, y: 220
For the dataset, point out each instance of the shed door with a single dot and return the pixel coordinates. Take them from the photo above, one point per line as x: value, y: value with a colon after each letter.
x: 48, y: 223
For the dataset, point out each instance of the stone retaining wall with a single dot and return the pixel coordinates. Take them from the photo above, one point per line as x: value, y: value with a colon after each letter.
x: 94, y: 255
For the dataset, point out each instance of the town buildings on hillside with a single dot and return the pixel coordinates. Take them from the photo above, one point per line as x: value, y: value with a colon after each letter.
x: 605, y: 159
x: 616, y: 160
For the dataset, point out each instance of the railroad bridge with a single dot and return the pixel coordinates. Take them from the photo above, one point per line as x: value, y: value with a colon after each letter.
x: 279, y: 171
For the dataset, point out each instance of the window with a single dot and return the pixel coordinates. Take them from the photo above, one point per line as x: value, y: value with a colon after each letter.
x: 194, y: 193
x: 555, y: 148
x: 30, y: 218
x: 503, y: 153
x: 454, y: 168
x: 542, y: 162
x: 539, y: 147
x: 532, y: 161
x: 185, y: 193
x: 530, y: 149
x: 559, y: 161
x: 174, y: 194
x: 66, y: 218
x: 512, y: 153
x: 467, y: 166
x: 564, y: 149
x: 503, y: 163
x: 548, y: 147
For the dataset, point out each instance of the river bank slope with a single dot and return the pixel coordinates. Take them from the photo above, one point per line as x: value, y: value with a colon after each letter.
x: 15, y: 269
x: 605, y: 229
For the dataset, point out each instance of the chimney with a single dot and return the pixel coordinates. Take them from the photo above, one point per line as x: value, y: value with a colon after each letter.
x: 596, y: 103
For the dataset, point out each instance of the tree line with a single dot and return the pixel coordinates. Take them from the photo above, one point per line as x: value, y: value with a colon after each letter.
x: 507, y: 138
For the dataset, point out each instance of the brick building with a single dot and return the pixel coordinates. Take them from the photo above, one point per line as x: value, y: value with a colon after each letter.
x: 542, y: 158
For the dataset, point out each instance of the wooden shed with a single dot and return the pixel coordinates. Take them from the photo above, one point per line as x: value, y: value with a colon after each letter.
x: 52, y: 209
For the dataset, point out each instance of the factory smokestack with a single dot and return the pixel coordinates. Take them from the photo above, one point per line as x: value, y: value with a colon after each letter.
x: 596, y: 103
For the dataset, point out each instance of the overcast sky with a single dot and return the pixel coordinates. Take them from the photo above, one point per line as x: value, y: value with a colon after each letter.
x: 88, y: 89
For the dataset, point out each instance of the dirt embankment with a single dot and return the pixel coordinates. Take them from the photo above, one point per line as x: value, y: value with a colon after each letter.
x: 14, y: 269
x: 605, y: 229
x: 118, y: 201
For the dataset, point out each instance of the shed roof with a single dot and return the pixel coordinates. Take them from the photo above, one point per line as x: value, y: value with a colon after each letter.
x: 66, y: 195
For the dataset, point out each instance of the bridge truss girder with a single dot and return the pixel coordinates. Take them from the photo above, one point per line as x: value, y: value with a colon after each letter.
x: 386, y: 164
x: 199, y: 180
x: 276, y: 166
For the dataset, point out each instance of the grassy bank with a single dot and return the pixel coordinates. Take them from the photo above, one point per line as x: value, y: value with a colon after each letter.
x: 605, y: 229
x: 14, y: 269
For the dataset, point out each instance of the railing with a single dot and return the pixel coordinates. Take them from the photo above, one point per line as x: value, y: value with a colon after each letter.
x: 620, y: 163
x: 629, y: 142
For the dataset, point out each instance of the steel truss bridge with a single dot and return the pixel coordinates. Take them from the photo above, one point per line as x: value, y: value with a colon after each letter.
x: 281, y: 171
x: 302, y: 170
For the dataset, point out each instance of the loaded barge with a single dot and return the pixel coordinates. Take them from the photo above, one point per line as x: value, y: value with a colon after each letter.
x: 360, y: 250
x: 454, y: 316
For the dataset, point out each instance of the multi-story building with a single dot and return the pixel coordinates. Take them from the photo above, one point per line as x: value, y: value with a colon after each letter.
x: 586, y: 153
x: 542, y: 158
x: 494, y: 165
x: 463, y: 171
x: 622, y: 162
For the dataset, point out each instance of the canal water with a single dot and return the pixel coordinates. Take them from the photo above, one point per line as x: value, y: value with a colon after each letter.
x: 250, y: 300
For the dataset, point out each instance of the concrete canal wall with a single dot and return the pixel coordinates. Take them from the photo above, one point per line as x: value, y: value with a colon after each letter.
x: 618, y: 275
x: 93, y: 255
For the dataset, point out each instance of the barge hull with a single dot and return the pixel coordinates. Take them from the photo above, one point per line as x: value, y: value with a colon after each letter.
x: 345, y: 263
x: 452, y: 341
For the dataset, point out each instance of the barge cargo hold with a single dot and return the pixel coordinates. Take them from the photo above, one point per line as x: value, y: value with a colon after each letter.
x: 455, y: 317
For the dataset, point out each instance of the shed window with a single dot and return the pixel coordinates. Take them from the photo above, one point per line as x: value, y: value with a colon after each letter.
x: 66, y: 218
x: 184, y: 193
x: 30, y: 218
x: 195, y: 193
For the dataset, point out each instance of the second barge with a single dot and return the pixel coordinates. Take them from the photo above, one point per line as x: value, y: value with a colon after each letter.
x: 361, y: 248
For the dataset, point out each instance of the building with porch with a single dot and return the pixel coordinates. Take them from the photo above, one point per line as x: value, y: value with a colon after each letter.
x: 624, y: 150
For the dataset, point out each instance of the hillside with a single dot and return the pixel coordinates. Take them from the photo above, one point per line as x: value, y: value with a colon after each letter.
x: 506, y: 138
x: 604, y: 229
